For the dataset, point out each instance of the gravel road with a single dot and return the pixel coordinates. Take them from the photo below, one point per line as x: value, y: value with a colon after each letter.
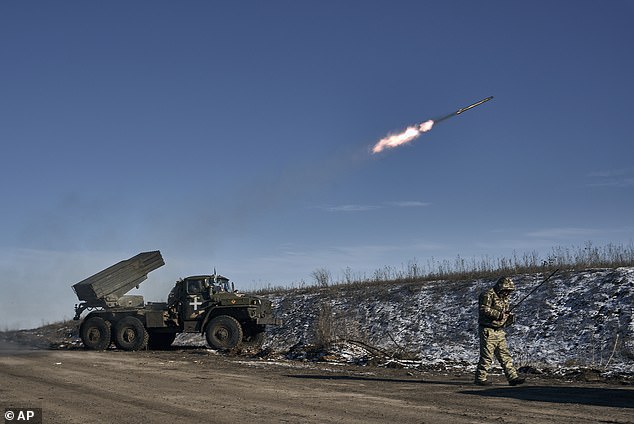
x: 199, y: 385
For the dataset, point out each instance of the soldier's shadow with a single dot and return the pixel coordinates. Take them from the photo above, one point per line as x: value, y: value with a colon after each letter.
x: 598, y: 396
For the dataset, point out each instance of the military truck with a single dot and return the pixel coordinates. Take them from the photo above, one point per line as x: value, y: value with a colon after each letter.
x: 205, y: 304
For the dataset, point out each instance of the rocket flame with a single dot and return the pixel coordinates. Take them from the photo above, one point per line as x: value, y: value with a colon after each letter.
x: 406, y: 136
x: 411, y: 133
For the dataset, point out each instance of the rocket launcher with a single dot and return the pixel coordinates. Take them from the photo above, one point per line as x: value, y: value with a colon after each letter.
x: 107, y: 288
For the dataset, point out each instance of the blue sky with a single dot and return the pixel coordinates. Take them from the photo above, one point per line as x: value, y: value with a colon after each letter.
x: 236, y: 135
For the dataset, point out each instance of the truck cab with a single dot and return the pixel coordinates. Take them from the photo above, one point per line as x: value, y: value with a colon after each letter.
x: 210, y: 304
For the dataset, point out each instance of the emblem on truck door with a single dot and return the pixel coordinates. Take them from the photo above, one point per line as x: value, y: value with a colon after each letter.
x: 195, y: 303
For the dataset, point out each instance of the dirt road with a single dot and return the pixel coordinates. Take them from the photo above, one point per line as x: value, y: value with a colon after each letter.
x: 197, y: 385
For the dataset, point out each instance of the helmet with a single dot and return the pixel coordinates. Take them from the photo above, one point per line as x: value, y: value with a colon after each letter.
x: 504, y: 284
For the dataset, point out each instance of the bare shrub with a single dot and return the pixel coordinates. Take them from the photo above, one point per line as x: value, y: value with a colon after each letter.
x: 323, y: 332
x: 322, y: 277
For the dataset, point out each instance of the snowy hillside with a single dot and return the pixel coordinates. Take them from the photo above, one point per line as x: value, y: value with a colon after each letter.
x: 580, y: 318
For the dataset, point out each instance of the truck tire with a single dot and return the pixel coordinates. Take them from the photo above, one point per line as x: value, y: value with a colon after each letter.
x: 160, y: 341
x: 95, y: 333
x: 223, y: 333
x: 130, y: 334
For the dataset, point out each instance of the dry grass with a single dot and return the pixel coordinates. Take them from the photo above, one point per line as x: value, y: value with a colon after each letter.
x: 569, y: 258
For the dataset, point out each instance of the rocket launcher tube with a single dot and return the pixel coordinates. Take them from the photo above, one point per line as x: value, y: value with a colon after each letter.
x: 118, y: 279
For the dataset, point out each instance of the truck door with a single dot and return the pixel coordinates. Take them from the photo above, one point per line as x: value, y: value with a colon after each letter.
x: 196, y: 295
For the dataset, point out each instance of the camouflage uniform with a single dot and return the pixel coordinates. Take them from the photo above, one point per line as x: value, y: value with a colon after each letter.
x: 493, y: 316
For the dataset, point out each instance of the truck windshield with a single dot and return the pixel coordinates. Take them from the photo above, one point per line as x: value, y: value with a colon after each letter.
x: 221, y: 285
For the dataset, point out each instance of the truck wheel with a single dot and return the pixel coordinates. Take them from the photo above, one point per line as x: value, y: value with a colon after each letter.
x: 223, y: 333
x: 130, y: 334
x: 160, y: 341
x: 95, y: 333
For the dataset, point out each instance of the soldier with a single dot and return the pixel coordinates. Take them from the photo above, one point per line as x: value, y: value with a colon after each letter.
x: 493, y: 316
